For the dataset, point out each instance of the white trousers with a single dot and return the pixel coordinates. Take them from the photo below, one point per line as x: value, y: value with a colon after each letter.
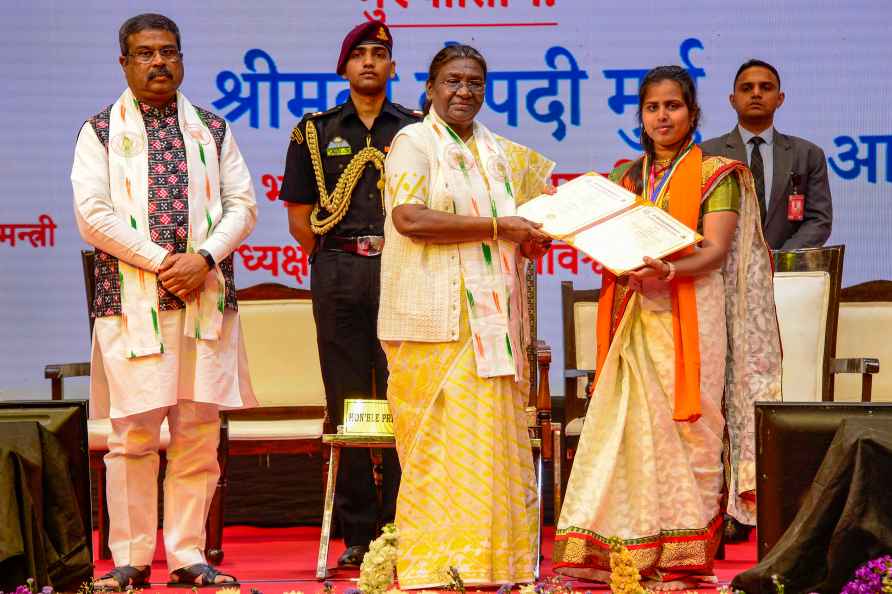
x: 189, y: 483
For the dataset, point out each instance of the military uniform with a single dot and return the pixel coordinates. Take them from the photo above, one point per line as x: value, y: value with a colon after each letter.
x: 330, y: 153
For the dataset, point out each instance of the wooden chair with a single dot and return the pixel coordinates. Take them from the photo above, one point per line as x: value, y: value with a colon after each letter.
x: 864, y: 328
x: 546, y: 435
x: 807, y: 285
x: 580, y: 314
x: 280, y: 340
x: 98, y: 431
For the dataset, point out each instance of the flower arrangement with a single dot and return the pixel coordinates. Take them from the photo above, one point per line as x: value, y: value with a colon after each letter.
x: 454, y: 582
x: 624, y: 577
x: 874, y: 577
x: 30, y: 588
x: 378, y: 566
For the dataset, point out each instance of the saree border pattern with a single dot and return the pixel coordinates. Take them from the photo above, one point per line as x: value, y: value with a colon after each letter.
x: 670, y: 550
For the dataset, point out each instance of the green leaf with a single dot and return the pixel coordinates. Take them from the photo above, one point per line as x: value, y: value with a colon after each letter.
x: 201, y: 154
x: 508, y: 344
x: 470, y: 298
x: 133, y: 222
x: 155, y: 321
x: 487, y: 254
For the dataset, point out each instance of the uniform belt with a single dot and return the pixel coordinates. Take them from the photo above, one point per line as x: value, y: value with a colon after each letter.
x: 362, y: 245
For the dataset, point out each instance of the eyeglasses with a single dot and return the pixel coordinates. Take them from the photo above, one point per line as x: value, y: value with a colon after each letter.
x: 168, y: 54
x: 474, y: 87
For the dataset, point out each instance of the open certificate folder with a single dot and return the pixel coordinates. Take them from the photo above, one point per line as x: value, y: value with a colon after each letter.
x: 609, y: 223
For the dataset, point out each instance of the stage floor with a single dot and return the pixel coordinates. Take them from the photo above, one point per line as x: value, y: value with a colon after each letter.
x: 277, y: 560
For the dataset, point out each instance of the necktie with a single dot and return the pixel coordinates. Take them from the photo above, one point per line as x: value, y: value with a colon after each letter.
x: 758, y: 169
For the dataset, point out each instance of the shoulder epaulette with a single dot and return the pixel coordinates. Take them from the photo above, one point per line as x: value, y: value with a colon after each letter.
x: 317, y: 114
x: 296, y: 135
x: 412, y: 113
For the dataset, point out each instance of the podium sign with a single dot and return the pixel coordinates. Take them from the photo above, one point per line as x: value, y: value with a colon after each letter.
x: 367, y: 417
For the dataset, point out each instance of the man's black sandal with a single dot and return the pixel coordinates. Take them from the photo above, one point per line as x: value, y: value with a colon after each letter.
x: 188, y: 577
x: 125, y: 576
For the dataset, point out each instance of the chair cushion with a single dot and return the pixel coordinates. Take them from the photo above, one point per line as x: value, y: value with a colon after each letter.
x: 280, y: 340
x: 275, y: 429
x: 98, y: 431
x: 585, y: 316
x: 802, y: 299
x: 574, y: 427
x: 864, y: 331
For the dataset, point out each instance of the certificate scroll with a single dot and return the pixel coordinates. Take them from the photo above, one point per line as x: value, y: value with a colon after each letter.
x: 608, y: 223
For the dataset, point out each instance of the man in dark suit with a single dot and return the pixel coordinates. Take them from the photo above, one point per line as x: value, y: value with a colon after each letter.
x: 790, y: 172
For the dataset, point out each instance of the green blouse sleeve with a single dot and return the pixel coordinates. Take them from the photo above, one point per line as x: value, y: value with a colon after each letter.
x: 725, y: 196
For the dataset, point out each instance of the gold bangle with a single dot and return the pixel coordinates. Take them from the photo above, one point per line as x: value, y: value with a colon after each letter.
x: 495, y: 229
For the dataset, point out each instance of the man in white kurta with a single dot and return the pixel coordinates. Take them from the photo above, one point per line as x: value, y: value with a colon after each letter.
x: 164, y: 195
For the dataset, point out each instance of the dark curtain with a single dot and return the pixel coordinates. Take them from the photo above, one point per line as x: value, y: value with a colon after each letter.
x: 42, y: 534
x: 845, y: 520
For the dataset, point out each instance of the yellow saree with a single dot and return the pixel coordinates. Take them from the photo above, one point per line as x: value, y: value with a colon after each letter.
x: 467, y: 495
x: 640, y: 475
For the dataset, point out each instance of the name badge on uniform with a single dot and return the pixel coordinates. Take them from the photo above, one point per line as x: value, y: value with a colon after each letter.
x: 795, y: 201
x: 338, y: 147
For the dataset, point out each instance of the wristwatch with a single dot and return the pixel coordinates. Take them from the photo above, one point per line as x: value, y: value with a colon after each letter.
x: 207, y: 258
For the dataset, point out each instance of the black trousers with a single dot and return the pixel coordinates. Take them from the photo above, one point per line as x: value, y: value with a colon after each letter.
x: 345, y: 306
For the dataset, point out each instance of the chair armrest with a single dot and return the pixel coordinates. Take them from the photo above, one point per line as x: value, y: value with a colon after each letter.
x: 543, y: 399
x: 855, y: 365
x: 577, y: 373
x: 57, y: 372
x: 63, y: 370
x: 866, y: 366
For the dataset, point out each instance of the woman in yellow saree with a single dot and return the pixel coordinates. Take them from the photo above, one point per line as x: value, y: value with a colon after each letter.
x: 452, y: 323
x: 685, y: 346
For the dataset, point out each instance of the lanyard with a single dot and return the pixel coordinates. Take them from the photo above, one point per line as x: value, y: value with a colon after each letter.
x: 658, y: 189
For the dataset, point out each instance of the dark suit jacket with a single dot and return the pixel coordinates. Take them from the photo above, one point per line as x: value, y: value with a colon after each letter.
x: 791, y: 154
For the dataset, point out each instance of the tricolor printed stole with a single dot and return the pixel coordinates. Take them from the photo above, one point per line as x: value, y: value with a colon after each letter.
x: 489, y: 268
x: 128, y: 164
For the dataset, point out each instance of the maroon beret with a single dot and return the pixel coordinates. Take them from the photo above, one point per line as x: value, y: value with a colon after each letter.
x: 369, y: 32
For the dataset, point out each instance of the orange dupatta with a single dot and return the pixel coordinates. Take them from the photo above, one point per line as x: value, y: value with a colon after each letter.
x: 684, y: 205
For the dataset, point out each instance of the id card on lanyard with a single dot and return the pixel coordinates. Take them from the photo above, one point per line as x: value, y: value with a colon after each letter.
x: 796, y: 201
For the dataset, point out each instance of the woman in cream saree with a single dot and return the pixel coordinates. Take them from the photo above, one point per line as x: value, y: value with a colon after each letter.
x: 452, y: 323
x: 685, y: 347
